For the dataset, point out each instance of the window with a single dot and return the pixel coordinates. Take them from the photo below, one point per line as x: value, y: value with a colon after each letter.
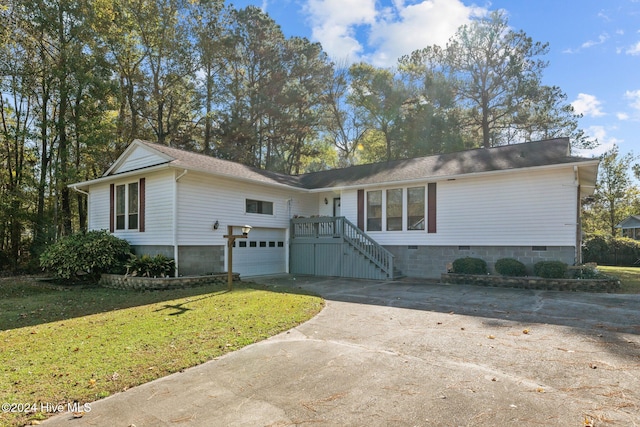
x: 259, y: 207
x: 120, y: 206
x: 127, y: 206
x: 374, y: 210
x: 394, y: 209
x: 415, y: 208
x: 431, y: 207
x: 133, y: 206
x: 409, y: 208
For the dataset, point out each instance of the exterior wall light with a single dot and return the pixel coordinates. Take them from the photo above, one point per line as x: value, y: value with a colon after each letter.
x: 216, y: 225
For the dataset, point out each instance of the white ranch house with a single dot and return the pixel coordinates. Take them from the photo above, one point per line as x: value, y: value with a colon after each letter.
x: 409, y: 217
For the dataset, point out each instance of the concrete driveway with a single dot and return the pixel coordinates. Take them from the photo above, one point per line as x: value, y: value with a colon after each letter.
x: 412, y: 354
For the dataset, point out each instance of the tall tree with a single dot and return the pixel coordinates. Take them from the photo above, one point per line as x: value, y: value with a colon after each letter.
x: 273, y: 91
x: 378, y: 96
x: 16, y: 117
x: 616, y: 195
x: 343, y: 128
x: 431, y: 121
x: 302, y: 101
x: 253, y: 76
x: 208, y: 23
x: 168, y: 66
x: 496, y: 69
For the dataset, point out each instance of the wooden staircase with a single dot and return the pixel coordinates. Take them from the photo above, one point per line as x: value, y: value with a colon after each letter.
x: 334, y: 246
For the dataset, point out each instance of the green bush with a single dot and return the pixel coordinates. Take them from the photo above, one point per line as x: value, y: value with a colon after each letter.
x: 586, y: 272
x: 86, y: 255
x: 469, y: 265
x: 148, y: 266
x: 510, y: 267
x: 596, y: 249
x: 550, y: 269
x: 611, y: 250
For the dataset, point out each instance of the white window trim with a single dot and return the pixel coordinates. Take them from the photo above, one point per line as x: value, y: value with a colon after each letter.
x: 273, y: 207
x: 405, y: 207
x: 126, y: 207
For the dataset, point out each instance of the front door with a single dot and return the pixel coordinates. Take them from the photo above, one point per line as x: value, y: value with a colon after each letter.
x: 336, y: 207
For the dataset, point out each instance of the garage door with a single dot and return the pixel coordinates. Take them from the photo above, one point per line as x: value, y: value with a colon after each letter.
x: 263, y: 252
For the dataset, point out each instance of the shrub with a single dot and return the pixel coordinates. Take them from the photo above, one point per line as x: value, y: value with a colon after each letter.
x: 510, y: 267
x: 611, y: 250
x: 148, y: 266
x: 550, y: 269
x: 469, y: 265
x: 596, y: 250
x: 86, y: 254
x: 586, y: 272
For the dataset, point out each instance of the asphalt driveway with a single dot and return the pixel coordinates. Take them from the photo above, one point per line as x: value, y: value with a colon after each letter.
x: 412, y: 354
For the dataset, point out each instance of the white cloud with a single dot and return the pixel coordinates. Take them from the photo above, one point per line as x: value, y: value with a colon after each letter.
x: 587, y: 105
x: 417, y: 26
x: 364, y: 30
x: 601, y: 39
x: 634, y: 99
x: 334, y: 24
x: 606, y: 142
x: 634, y: 50
x: 622, y: 116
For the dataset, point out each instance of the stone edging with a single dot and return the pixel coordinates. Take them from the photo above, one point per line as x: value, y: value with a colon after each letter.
x: 572, y: 285
x: 117, y: 281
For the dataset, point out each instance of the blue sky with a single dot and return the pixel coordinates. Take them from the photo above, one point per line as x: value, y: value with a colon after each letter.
x: 594, y: 45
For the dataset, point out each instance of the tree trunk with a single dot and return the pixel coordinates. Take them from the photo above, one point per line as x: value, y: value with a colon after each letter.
x: 63, y: 145
x: 486, y: 136
x: 39, y: 232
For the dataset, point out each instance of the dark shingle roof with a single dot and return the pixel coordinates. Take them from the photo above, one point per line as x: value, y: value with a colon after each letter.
x: 204, y: 163
x: 526, y: 155
x: 516, y: 156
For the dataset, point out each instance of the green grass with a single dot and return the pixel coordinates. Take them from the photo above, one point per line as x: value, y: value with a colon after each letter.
x: 60, y: 346
x: 629, y: 277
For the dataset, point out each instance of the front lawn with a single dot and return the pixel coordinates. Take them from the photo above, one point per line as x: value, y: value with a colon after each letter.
x: 59, y: 346
x: 629, y: 277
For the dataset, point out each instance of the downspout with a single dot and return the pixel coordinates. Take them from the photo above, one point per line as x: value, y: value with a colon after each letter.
x: 578, y: 218
x: 175, y: 221
x: 74, y: 188
x: 287, y: 237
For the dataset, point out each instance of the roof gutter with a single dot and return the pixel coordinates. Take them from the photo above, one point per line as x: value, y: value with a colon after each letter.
x: 75, y: 188
x: 127, y: 174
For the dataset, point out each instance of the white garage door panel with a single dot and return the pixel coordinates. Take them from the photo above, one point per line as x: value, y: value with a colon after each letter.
x: 263, y: 252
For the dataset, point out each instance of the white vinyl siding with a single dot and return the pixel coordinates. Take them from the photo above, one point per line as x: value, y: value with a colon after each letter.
x: 519, y: 208
x: 99, y: 207
x: 203, y: 200
x: 139, y: 158
x: 158, y: 211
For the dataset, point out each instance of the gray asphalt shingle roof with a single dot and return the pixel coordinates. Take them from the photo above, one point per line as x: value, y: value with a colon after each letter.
x: 516, y: 156
x: 632, y: 221
x: 204, y: 163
